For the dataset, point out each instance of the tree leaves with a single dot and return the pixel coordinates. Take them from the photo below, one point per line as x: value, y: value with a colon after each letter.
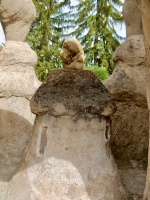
x: 90, y: 21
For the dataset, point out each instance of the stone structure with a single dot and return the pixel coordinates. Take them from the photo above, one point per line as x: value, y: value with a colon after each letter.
x: 18, y: 83
x: 72, y: 54
x: 129, y: 128
x: 69, y: 157
x: 144, y: 6
x: 17, y: 17
x: 132, y: 18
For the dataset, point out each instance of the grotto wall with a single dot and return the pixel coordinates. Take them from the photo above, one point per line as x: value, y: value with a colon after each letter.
x: 18, y: 83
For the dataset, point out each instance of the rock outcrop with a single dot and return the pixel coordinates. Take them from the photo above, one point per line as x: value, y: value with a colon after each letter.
x: 16, y: 18
x: 68, y: 157
x: 132, y: 18
x: 129, y: 132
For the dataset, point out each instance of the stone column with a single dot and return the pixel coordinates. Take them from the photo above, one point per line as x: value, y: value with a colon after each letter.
x: 69, y: 157
x: 16, y: 18
x: 18, y: 83
x: 132, y: 18
x: 144, y: 6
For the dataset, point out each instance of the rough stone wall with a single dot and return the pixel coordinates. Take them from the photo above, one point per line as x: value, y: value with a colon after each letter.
x: 18, y: 83
x: 129, y: 128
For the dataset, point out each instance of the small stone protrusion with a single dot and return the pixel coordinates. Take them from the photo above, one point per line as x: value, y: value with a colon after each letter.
x: 72, y: 54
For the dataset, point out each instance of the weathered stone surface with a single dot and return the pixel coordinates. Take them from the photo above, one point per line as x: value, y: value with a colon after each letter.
x: 17, y: 63
x: 72, y: 92
x: 129, y: 132
x: 18, y: 82
x: 132, y: 18
x: 72, y: 54
x: 67, y: 159
x: 144, y: 6
x: 128, y: 81
x: 131, y: 52
x: 16, y: 18
x: 69, y: 156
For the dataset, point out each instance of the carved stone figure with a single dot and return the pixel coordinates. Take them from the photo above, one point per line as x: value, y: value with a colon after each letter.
x: 72, y: 54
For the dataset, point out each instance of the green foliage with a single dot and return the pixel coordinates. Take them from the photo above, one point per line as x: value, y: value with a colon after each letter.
x: 95, y: 20
x: 91, y: 22
x: 47, y: 34
x: 101, y: 72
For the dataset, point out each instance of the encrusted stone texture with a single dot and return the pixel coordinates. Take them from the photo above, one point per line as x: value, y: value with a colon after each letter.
x: 67, y: 159
x: 72, y: 92
x: 129, y: 132
x: 18, y: 82
x: 132, y: 18
x: 16, y: 18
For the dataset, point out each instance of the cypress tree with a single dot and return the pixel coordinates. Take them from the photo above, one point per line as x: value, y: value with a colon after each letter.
x: 46, y: 35
x: 95, y: 20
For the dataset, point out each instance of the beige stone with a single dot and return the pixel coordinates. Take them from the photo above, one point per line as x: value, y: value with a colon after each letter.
x: 18, y: 82
x: 129, y: 128
x: 144, y: 6
x: 69, y: 156
x: 67, y: 160
x: 72, y: 54
x: 128, y: 81
x: 132, y: 18
x: 17, y: 63
x: 16, y: 18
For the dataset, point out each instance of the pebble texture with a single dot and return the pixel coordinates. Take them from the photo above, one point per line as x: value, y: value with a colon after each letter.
x: 129, y: 132
x: 69, y: 157
x: 16, y: 18
x: 17, y: 85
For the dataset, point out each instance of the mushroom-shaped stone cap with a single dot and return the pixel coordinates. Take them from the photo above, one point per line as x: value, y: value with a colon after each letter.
x: 69, y: 92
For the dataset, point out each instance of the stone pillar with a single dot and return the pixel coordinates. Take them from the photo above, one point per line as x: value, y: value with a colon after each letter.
x: 69, y: 156
x: 18, y: 83
x: 16, y: 18
x: 144, y: 6
x: 129, y: 128
x: 132, y: 18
